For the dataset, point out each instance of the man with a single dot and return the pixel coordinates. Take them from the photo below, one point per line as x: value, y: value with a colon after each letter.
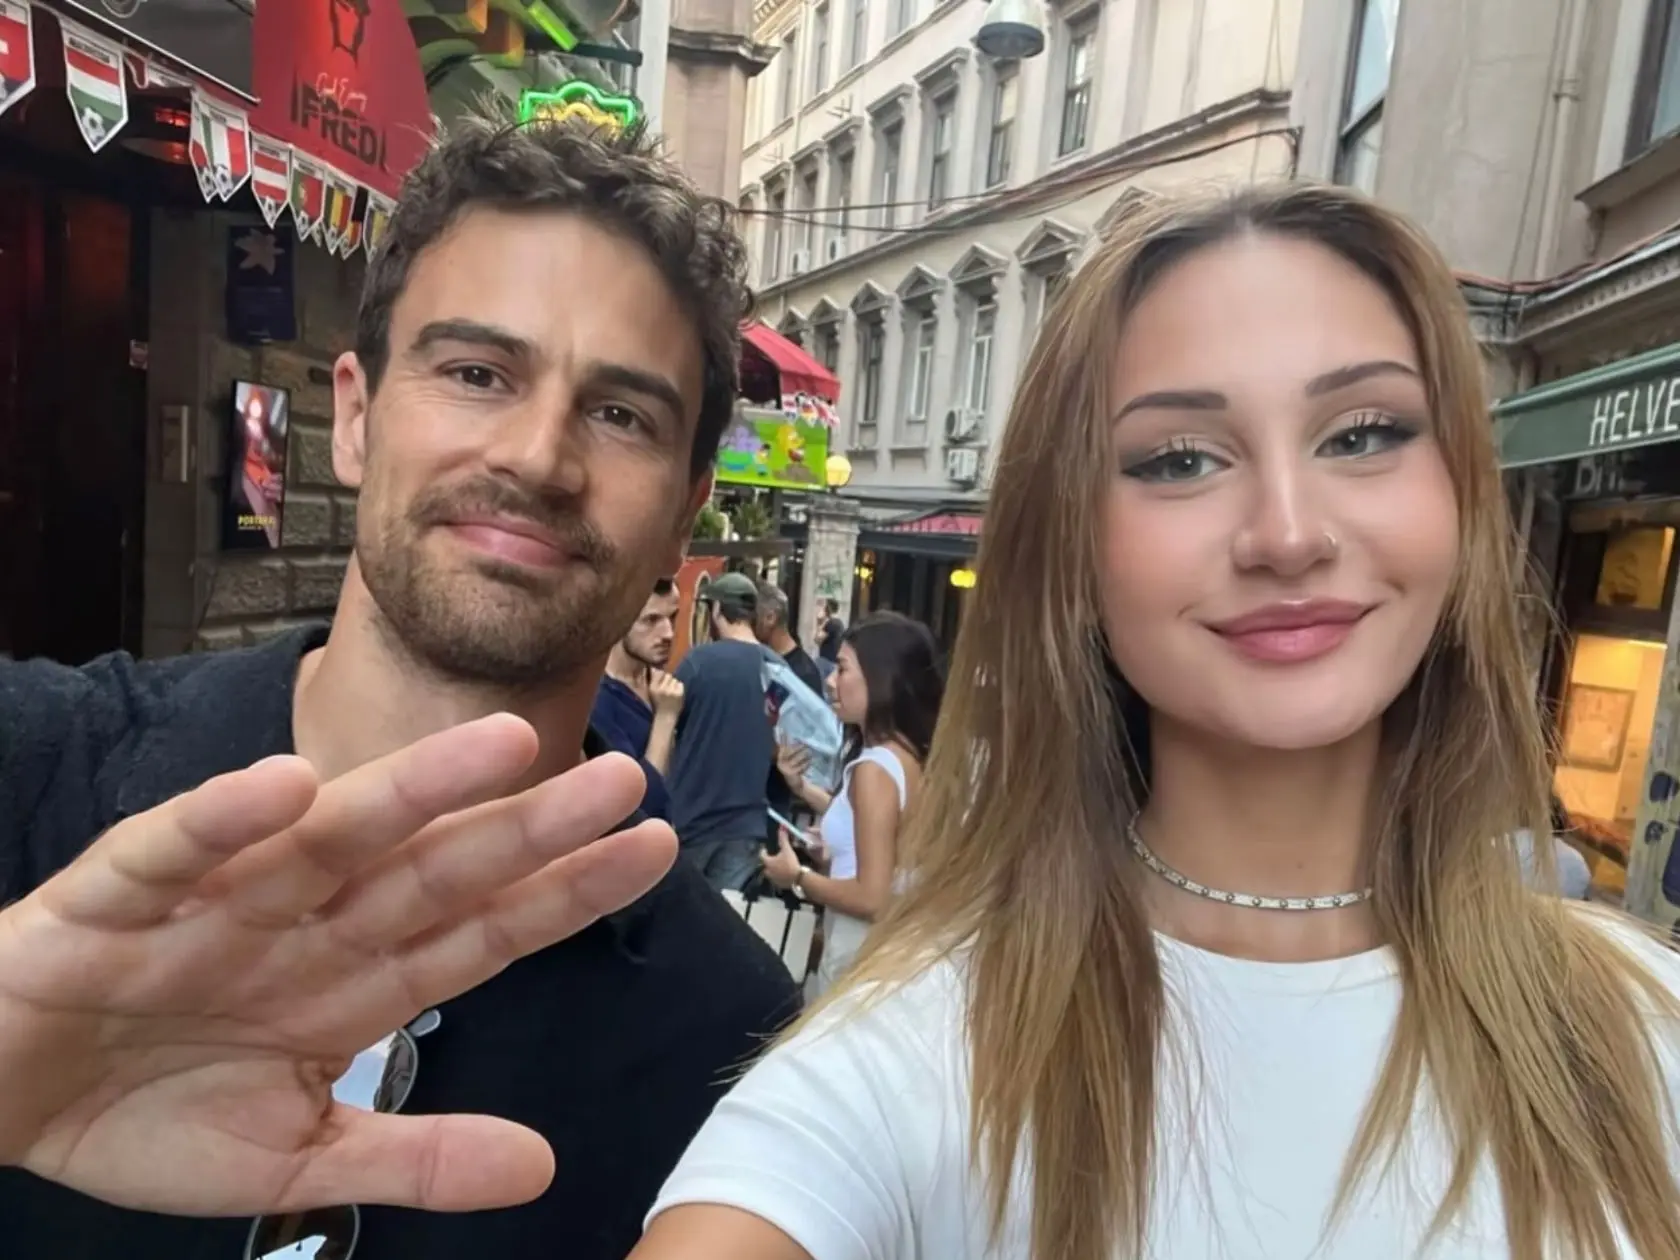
x: 638, y: 703
x: 193, y: 984
x: 726, y: 745
x: 773, y: 632
x: 830, y: 630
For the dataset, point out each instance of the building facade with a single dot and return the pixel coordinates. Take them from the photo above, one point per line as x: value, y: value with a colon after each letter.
x: 912, y: 206
x: 1538, y: 142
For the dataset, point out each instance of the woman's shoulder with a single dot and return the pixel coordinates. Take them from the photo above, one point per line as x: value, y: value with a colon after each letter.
x: 915, y: 1023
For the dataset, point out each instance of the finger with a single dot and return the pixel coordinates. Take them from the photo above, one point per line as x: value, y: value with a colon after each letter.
x: 142, y: 869
x: 460, y: 860
x: 449, y: 1163
x: 558, y: 901
x: 360, y: 816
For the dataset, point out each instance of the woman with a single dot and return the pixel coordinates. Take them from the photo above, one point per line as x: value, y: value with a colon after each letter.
x: 887, y: 687
x: 1244, y: 639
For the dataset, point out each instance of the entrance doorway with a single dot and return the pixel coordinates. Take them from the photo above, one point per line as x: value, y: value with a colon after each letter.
x: 72, y: 431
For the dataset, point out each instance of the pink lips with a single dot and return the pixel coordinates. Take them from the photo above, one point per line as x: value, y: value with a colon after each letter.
x: 511, y: 539
x: 1294, y: 632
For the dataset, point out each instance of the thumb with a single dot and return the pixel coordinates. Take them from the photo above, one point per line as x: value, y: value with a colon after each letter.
x: 453, y: 1163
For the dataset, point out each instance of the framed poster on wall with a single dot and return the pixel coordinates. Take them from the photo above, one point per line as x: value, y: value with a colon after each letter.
x: 1595, y: 726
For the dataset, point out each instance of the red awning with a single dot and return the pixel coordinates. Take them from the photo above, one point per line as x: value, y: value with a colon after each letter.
x: 951, y: 524
x: 773, y: 368
x: 340, y: 81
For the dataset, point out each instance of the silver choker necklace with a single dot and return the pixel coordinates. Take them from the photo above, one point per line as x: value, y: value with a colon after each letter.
x: 1247, y: 900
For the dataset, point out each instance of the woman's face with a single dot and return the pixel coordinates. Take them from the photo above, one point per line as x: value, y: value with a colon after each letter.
x: 1281, y: 532
x: 851, y: 693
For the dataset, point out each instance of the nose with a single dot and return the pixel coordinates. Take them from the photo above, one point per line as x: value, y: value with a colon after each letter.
x: 540, y: 442
x: 1285, y: 531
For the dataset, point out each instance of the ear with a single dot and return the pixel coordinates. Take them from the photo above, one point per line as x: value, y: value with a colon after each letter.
x: 350, y: 411
x: 697, y: 499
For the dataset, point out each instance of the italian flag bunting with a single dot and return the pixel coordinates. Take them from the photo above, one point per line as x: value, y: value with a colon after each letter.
x: 220, y: 148
x: 271, y: 177
x: 308, y: 196
x: 93, y: 80
x: 17, y: 53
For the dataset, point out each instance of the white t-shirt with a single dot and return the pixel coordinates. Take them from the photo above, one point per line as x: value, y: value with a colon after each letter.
x: 853, y: 1138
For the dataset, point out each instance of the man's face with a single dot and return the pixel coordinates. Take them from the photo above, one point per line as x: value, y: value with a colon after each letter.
x: 524, y: 465
x: 650, y: 638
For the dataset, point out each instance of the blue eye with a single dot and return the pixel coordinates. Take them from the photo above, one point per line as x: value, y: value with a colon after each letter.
x: 1370, y: 434
x: 1180, y: 464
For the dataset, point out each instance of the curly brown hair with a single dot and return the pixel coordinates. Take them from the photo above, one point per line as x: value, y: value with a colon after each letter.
x: 618, y: 179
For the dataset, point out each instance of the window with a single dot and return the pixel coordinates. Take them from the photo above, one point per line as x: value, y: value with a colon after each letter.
x: 806, y: 213
x: 872, y: 349
x: 1054, y: 283
x: 789, y: 70
x: 890, y: 145
x: 1656, y: 99
x: 840, y: 194
x: 1360, y: 144
x: 939, y: 159
x: 819, y: 49
x: 775, y: 216
x: 749, y: 209
x: 857, y: 37
x: 924, y: 330
x: 1001, y: 145
x: 902, y: 14
x: 1076, y: 86
x: 977, y: 386
x: 827, y: 345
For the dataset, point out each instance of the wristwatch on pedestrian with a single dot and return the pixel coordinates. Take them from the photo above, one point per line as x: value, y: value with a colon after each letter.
x: 798, y: 884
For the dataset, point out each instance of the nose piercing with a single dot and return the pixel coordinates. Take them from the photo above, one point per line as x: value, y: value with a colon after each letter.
x: 1331, y: 542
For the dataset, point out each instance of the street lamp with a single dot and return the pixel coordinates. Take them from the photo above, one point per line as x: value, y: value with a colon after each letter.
x: 1011, y: 30
x: 837, y: 472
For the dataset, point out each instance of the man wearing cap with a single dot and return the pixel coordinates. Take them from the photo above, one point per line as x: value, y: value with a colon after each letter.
x: 725, y: 740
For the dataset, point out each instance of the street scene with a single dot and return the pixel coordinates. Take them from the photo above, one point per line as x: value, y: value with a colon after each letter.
x: 840, y: 629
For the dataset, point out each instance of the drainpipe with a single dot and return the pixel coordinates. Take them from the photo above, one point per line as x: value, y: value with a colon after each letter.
x: 1567, y: 97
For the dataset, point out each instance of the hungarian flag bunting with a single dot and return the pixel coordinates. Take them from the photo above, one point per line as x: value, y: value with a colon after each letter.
x: 308, y: 196
x: 17, y: 53
x: 341, y: 212
x: 93, y: 80
x: 220, y: 148
x: 378, y: 218
x: 271, y: 177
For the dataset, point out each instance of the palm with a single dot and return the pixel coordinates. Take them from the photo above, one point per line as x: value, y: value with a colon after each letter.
x: 178, y: 1003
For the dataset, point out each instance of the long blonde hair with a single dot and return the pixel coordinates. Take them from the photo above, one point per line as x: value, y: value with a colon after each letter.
x: 1528, y: 1022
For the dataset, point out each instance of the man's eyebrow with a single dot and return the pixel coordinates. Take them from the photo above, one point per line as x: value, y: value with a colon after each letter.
x: 1353, y: 373
x: 639, y: 380
x: 471, y: 332
x: 1176, y: 400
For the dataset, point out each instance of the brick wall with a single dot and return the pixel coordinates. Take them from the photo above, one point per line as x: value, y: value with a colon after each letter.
x: 198, y: 597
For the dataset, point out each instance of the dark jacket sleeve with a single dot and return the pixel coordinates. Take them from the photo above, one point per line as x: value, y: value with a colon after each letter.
x: 57, y: 726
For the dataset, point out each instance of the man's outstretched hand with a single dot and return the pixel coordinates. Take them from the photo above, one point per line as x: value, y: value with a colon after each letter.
x: 175, y: 1005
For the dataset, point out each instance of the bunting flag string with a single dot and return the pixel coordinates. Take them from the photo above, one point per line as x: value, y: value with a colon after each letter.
x: 17, y: 53
x: 379, y: 210
x: 308, y: 197
x: 221, y: 147
x: 271, y: 177
x: 93, y: 80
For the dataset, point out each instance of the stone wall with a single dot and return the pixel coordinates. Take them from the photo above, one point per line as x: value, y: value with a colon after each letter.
x: 197, y: 596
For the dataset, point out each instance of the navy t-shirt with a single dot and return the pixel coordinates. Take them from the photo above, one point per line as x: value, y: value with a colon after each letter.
x: 725, y: 745
x: 624, y: 721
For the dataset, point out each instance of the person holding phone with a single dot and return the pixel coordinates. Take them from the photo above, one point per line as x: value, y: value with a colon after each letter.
x: 888, y: 686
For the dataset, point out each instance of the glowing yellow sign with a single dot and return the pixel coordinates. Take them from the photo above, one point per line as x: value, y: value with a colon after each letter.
x: 578, y: 99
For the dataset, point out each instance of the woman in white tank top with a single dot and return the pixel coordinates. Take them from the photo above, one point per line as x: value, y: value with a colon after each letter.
x: 887, y: 688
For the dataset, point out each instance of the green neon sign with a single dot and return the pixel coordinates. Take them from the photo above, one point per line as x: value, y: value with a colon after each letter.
x: 578, y: 99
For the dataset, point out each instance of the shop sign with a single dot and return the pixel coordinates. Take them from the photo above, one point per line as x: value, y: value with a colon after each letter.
x: 341, y: 81
x: 213, y: 37
x: 1631, y: 404
x: 579, y: 99
x: 773, y: 451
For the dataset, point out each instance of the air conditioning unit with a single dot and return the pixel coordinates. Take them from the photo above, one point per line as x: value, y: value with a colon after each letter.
x: 962, y: 465
x: 961, y: 424
x: 801, y: 262
x: 836, y: 248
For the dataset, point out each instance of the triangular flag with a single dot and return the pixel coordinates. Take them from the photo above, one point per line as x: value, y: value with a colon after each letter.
x: 220, y: 148
x: 271, y: 177
x: 93, y: 80
x: 149, y: 76
x: 17, y: 53
x: 340, y: 212
x: 309, y: 195
x: 374, y: 223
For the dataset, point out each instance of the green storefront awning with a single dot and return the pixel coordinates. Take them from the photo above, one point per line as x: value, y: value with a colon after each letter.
x: 1614, y: 408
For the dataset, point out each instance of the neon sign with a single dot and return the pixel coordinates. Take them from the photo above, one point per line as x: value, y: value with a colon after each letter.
x: 578, y: 99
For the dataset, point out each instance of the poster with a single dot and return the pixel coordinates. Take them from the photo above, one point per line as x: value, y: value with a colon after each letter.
x: 771, y: 450
x: 257, y: 478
